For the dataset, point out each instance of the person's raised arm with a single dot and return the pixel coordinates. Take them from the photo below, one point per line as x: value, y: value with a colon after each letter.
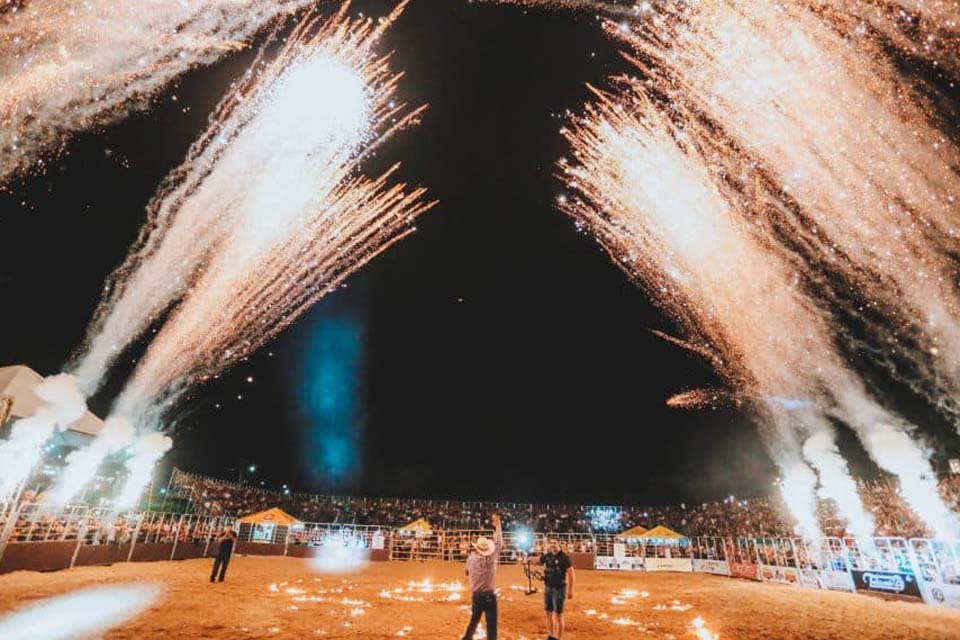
x: 497, y: 533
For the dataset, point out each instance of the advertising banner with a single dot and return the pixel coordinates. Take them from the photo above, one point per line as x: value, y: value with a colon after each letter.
x: 746, y: 570
x: 782, y: 575
x: 827, y: 579
x: 716, y: 567
x: 941, y: 594
x: 891, y: 582
x: 669, y: 564
x: 610, y: 563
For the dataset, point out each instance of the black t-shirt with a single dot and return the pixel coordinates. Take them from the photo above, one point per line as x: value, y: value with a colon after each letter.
x: 226, y: 545
x: 555, y: 567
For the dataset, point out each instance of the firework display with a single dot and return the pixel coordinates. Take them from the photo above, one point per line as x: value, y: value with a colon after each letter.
x: 70, y: 66
x: 728, y: 140
x: 779, y: 178
x: 267, y: 214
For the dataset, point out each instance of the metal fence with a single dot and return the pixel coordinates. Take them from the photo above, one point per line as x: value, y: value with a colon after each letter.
x: 45, y: 537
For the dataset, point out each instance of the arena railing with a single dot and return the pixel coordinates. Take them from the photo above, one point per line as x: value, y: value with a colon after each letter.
x: 48, y: 537
x: 302, y: 539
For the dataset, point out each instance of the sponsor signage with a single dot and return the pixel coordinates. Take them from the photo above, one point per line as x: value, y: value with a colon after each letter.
x: 716, y: 567
x: 827, y: 579
x: 954, y: 463
x: 668, y: 564
x: 610, y: 563
x: 746, y: 570
x: 377, y: 541
x: 783, y: 575
x: 892, y: 582
x: 942, y: 595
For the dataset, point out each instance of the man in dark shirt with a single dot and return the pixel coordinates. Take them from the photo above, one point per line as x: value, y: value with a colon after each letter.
x: 224, y: 552
x: 558, y: 586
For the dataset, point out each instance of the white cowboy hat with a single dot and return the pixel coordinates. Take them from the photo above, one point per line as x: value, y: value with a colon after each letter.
x: 484, y: 546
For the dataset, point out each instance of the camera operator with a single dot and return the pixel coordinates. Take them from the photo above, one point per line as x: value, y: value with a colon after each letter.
x: 558, y: 580
x: 482, y: 570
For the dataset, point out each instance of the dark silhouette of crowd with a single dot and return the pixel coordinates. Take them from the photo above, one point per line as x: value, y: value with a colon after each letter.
x: 752, y: 517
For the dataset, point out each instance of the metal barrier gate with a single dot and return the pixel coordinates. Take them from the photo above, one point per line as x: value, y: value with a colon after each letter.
x: 938, y: 567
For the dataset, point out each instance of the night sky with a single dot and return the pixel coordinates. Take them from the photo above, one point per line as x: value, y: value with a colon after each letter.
x: 496, y: 353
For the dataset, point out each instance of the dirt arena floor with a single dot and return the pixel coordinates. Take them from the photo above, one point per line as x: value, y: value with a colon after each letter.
x: 286, y: 598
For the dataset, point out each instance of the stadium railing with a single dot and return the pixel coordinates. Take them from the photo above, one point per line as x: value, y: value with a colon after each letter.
x: 303, y: 539
x: 47, y: 537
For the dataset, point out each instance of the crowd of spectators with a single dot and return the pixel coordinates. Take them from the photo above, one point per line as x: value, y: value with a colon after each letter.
x: 753, y: 517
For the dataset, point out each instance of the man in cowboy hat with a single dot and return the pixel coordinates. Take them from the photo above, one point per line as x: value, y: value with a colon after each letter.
x: 482, y: 570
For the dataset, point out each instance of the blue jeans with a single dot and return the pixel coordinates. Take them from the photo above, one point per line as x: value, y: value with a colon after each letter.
x: 483, y: 604
x: 220, y: 564
x: 553, y: 598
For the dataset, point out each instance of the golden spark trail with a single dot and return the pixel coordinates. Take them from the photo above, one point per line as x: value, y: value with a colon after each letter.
x: 793, y: 125
x: 266, y: 216
x: 73, y: 65
x: 280, y: 142
x: 696, y: 399
x: 229, y: 314
x: 805, y: 96
x: 654, y: 205
x: 307, y: 222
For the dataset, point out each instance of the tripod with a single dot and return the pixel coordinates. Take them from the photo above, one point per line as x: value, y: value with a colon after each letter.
x: 531, y: 574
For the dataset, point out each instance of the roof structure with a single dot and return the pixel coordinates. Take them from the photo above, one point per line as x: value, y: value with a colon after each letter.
x: 17, y: 382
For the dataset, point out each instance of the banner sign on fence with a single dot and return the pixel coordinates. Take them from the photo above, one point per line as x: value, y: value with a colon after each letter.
x: 668, y: 564
x: 827, y: 579
x: 894, y: 582
x: 376, y: 542
x: 716, y: 567
x: 782, y: 575
x: 746, y: 570
x: 610, y: 563
x: 940, y: 594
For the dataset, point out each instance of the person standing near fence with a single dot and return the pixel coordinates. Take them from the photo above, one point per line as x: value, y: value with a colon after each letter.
x: 558, y: 586
x: 482, y: 571
x: 225, y: 544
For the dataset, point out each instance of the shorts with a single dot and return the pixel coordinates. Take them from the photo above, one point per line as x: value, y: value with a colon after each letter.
x: 553, y: 598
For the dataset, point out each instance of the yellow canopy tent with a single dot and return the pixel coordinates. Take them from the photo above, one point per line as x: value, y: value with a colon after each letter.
x: 632, y: 533
x: 660, y: 532
x: 420, y: 524
x: 275, y: 516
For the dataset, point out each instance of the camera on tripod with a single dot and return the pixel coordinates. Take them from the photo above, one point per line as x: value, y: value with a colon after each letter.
x: 525, y: 545
x: 531, y: 574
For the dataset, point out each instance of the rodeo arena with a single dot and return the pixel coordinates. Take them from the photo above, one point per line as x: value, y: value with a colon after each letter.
x: 634, y: 251
x: 306, y: 565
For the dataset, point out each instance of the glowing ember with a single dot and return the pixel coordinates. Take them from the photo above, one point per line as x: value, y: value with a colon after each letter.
x: 701, y: 630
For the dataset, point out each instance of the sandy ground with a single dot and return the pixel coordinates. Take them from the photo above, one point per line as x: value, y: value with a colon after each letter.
x: 287, y: 598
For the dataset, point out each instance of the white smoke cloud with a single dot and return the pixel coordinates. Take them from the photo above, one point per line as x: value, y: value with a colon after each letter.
x: 145, y: 452
x: 62, y: 404
x: 78, y: 615
x: 889, y: 444
x: 822, y: 452
x: 117, y: 433
x: 798, y: 485
x: 340, y: 554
